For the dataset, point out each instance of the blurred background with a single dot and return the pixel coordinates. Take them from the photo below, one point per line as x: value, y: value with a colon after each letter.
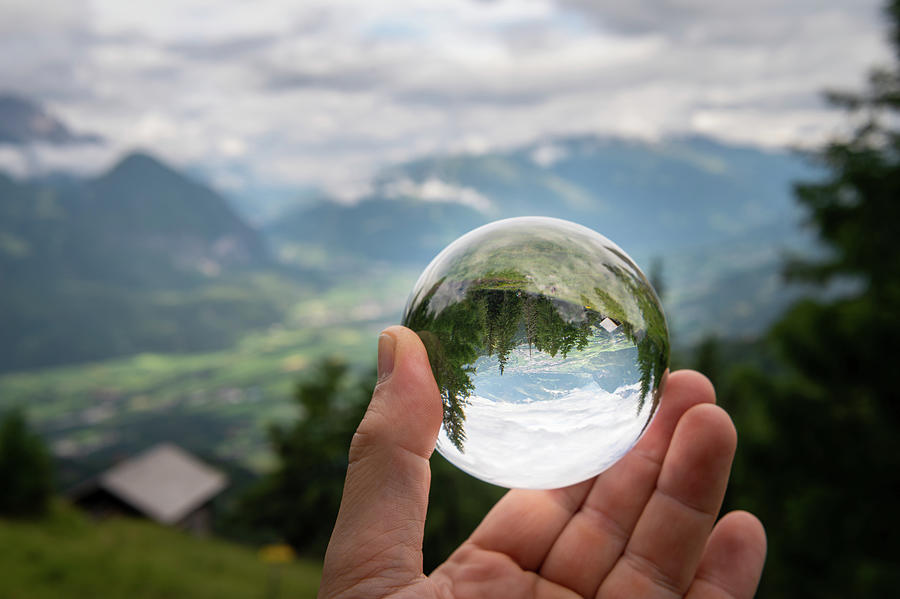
x: 209, y: 209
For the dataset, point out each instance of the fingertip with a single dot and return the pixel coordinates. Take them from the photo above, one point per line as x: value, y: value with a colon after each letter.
x: 409, y: 344
x: 396, y: 330
x: 712, y: 423
x: 699, y: 459
x: 684, y: 389
x: 734, y: 557
x: 746, y: 529
x: 692, y: 383
x: 407, y: 399
x: 411, y: 375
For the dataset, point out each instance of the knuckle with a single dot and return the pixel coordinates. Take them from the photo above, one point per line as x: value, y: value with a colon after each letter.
x: 368, y: 436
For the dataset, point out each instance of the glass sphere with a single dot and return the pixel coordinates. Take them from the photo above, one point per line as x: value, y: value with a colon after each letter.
x: 549, y: 347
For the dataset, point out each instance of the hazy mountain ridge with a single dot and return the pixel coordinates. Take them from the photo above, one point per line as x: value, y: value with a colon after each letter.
x: 650, y: 197
x: 390, y: 230
x: 144, y: 258
x: 716, y: 214
x: 140, y: 223
x: 139, y: 258
x: 181, y: 218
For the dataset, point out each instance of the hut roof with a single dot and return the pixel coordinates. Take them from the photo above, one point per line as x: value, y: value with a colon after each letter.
x: 165, y: 482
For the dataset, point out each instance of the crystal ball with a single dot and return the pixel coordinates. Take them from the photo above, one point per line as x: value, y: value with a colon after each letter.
x: 549, y: 347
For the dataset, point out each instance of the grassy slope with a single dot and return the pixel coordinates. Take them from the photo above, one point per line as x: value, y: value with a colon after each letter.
x: 68, y: 556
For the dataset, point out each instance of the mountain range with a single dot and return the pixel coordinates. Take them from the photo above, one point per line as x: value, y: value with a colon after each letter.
x: 146, y: 258
x: 652, y: 198
x: 714, y: 220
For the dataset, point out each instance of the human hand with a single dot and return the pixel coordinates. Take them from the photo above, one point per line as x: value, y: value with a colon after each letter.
x: 643, y: 528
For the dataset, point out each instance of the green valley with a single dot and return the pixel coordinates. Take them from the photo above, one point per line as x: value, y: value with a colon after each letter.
x: 225, y: 398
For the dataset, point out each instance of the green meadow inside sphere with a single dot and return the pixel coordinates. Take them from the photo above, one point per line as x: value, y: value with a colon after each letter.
x: 549, y: 347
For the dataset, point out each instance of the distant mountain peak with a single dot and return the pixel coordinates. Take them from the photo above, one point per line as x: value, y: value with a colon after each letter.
x: 141, y: 169
x: 143, y: 163
x: 24, y: 121
x: 155, y: 204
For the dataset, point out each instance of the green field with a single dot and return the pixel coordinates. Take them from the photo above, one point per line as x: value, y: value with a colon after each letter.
x: 68, y: 556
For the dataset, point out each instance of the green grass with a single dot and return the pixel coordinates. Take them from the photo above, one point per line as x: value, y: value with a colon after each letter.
x: 68, y: 556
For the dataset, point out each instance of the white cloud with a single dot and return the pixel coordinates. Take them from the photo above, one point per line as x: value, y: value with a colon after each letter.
x: 13, y: 161
x: 435, y: 190
x: 327, y: 91
x: 548, y: 154
x: 41, y: 158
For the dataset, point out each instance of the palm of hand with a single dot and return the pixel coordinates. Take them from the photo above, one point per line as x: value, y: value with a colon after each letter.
x: 644, y: 528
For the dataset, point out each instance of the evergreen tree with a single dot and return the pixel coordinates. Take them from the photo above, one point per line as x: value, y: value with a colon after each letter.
x: 298, y: 501
x: 657, y: 277
x: 26, y: 472
x: 821, y: 455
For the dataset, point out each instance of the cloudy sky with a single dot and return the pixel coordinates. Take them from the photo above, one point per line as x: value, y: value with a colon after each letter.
x: 326, y: 91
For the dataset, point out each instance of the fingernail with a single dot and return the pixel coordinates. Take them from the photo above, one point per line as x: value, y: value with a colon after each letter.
x: 385, y: 356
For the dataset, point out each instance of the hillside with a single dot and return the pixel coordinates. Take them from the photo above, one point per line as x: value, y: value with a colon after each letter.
x: 141, y: 223
x: 397, y: 231
x: 67, y: 555
x: 139, y: 258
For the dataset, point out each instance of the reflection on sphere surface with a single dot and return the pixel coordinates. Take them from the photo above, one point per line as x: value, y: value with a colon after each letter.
x: 549, y: 347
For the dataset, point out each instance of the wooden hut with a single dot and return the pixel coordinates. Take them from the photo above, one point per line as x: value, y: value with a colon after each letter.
x: 165, y: 484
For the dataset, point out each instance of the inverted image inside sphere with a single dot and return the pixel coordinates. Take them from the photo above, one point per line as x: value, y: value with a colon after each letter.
x: 549, y: 347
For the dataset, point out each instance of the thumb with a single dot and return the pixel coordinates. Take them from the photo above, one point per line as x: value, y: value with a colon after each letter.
x: 377, y: 538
